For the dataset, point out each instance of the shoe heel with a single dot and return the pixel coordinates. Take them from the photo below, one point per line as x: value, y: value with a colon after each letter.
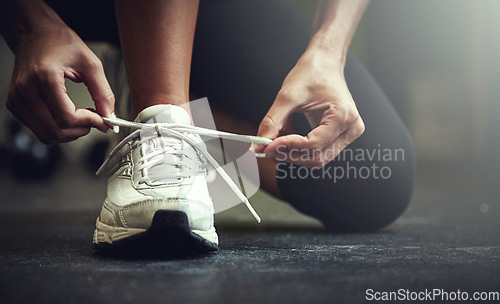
x: 168, y: 220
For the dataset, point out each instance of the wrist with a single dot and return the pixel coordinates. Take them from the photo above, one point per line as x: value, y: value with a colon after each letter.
x: 332, y: 51
x: 29, y: 19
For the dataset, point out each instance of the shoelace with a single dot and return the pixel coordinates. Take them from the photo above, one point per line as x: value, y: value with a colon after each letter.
x: 177, y: 130
x: 166, y: 153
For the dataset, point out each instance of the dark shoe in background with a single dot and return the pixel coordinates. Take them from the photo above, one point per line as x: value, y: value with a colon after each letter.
x: 25, y: 156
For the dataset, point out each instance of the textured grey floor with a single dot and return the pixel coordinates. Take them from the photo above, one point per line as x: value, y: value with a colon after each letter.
x: 449, y: 239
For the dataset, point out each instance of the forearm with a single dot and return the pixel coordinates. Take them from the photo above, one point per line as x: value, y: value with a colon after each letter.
x: 157, y: 41
x: 19, y: 18
x: 334, y: 25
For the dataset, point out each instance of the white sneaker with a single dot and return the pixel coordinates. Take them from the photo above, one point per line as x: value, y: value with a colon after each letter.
x: 157, y: 192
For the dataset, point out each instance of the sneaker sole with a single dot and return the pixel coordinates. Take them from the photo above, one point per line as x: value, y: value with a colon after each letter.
x: 169, y: 233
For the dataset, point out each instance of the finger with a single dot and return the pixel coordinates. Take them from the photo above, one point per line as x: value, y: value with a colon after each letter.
x: 62, y: 108
x: 333, y: 123
x: 93, y: 76
x: 306, y: 157
x: 316, y: 158
x: 331, y: 126
x: 335, y: 148
x: 303, y: 157
x: 302, y: 144
x: 36, y: 116
x: 274, y: 122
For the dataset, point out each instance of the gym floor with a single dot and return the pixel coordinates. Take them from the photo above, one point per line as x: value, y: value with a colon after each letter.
x: 449, y: 239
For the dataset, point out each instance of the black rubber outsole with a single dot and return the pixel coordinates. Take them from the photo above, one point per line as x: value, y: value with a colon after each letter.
x: 168, y: 235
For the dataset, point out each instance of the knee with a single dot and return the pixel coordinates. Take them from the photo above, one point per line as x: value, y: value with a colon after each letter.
x: 367, y: 213
x: 357, y: 205
x: 372, y: 205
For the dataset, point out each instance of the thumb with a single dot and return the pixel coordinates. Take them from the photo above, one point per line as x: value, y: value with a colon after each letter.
x: 99, y: 89
x: 273, y: 122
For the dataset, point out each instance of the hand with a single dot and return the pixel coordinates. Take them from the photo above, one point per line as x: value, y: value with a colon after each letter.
x: 37, y: 94
x: 316, y: 87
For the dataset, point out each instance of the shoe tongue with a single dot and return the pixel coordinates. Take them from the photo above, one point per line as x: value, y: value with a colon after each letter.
x: 164, y: 113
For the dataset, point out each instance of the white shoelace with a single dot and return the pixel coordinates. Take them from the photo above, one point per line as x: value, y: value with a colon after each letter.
x: 177, y: 130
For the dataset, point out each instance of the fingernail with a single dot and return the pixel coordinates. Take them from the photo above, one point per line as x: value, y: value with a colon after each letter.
x: 116, y: 129
x: 266, y: 134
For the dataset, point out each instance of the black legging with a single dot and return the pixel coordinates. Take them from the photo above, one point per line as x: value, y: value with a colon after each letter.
x: 242, y: 52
